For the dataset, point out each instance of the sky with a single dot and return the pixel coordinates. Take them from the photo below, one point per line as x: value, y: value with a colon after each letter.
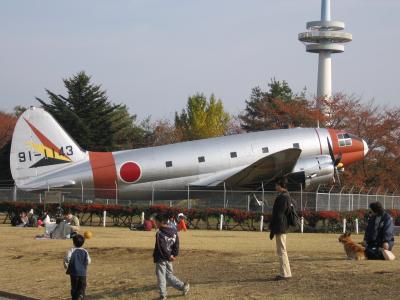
x: 151, y: 55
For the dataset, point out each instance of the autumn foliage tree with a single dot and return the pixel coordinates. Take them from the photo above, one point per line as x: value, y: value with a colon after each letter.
x: 7, y: 124
x: 277, y: 108
x: 202, y: 119
x: 380, y: 128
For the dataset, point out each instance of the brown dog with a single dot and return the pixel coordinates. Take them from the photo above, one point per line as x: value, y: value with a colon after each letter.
x: 353, y: 250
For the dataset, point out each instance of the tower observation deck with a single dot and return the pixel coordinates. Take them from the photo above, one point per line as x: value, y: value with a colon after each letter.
x: 325, y: 37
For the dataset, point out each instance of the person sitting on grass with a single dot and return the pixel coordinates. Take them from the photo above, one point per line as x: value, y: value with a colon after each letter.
x: 379, y: 234
x: 32, y: 219
x: 23, y: 219
x: 76, y: 262
x: 166, y: 250
x: 147, y: 225
x: 71, y: 220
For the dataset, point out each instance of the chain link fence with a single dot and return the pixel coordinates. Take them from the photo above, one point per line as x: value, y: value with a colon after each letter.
x: 325, y: 198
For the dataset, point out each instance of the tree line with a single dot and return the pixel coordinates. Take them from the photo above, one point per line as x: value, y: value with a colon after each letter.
x: 99, y: 124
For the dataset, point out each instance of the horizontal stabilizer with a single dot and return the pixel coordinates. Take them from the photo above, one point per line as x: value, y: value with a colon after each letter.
x: 44, y: 185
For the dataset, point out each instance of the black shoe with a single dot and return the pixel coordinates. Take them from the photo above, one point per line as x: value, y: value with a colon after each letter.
x: 279, y: 277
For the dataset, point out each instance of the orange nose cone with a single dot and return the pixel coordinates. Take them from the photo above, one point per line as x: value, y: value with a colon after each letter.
x: 350, y: 146
x: 355, y: 152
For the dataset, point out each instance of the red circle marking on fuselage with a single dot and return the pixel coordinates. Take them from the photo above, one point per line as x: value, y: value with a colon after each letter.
x: 130, y: 172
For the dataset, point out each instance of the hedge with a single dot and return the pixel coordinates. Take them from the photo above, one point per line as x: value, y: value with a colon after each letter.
x: 326, y: 221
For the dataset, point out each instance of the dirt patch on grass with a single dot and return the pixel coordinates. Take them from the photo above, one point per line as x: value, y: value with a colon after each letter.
x: 219, y: 265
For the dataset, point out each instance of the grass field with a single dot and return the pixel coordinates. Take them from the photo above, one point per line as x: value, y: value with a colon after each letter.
x: 218, y: 265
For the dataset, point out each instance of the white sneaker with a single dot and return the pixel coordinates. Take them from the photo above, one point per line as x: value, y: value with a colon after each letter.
x: 186, y: 288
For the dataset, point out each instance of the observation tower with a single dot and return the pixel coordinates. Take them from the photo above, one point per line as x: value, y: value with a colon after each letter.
x: 325, y: 38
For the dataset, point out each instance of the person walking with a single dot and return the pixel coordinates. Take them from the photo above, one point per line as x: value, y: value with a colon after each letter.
x: 166, y: 250
x: 279, y: 227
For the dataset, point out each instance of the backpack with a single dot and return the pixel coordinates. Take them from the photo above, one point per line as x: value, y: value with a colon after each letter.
x: 292, y: 216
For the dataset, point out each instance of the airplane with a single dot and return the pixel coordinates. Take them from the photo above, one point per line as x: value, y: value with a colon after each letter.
x: 44, y: 157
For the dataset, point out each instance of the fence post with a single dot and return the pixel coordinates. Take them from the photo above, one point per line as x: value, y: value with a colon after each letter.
x: 356, y: 225
x: 221, y: 221
x: 329, y: 197
x: 104, y: 218
x: 302, y: 224
x: 344, y: 225
x: 352, y: 200
x: 263, y: 199
x: 188, y: 196
x: 340, y: 198
x: 142, y: 218
x: 81, y: 192
x: 301, y: 197
x: 384, y: 199
x: 152, y: 195
x: 248, y: 203
x: 261, y: 223
x: 116, y: 192
x: 368, y: 197
x: 224, y: 195
x: 392, y: 199
x: 15, y: 193
x: 376, y: 194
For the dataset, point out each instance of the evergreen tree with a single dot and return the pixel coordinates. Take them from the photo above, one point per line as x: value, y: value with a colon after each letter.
x: 89, y: 117
x: 276, y: 108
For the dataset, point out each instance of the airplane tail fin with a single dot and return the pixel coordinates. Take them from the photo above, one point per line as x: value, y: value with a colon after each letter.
x: 40, y: 145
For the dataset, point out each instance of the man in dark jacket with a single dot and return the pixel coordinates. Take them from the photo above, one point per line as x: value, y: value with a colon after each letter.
x: 279, y: 226
x: 379, y: 232
x: 166, y: 250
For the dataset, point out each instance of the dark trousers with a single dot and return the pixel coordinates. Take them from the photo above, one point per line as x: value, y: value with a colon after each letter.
x: 78, y: 287
x: 373, y: 252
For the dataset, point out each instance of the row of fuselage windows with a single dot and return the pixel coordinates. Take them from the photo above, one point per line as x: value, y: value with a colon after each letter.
x: 202, y: 159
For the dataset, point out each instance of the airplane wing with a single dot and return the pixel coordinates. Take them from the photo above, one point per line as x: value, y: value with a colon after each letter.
x: 264, y: 169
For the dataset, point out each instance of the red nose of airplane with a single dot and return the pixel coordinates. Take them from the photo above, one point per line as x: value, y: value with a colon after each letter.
x: 352, y: 148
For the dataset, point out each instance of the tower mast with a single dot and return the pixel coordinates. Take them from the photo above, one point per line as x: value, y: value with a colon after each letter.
x: 325, y: 38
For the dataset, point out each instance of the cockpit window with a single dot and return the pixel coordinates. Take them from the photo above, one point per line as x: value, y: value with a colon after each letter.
x: 344, y: 140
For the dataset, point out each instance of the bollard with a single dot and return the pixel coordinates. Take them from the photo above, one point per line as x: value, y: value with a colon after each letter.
x: 356, y: 225
x: 302, y: 224
x: 262, y: 223
x: 344, y: 225
x: 104, y: 218
x: 142, y: 218
x: 221, y: 221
